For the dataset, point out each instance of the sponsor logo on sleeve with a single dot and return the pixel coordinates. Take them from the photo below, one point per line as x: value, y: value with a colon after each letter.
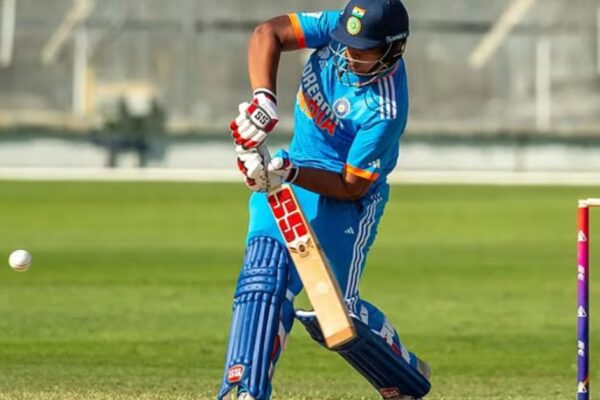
x: 375, y: 164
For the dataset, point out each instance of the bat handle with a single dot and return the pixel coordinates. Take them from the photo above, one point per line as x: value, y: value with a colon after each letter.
x: 263, y: 150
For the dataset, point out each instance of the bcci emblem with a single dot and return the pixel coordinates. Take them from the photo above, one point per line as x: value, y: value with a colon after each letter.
x: 353, y: 26
x: 341, y: 107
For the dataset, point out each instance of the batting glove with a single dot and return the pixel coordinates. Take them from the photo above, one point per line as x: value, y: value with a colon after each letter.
x: 256, y: 120
x: 251, y: 165
x: 282, y: 167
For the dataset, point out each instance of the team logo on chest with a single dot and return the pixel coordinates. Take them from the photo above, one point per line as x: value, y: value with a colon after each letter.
x: 341, y: 107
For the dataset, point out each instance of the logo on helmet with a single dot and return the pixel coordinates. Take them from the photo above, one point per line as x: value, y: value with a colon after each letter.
x: 358, y: 12
x: 353, y: 26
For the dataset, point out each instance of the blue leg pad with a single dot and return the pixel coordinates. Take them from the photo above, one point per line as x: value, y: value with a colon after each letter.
x: 257, y: 307
x: 387, y: 370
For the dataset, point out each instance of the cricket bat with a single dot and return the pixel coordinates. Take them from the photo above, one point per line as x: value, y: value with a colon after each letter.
x: 313, y: 268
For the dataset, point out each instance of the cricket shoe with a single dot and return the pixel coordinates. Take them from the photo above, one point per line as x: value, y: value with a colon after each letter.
x: 244, y: 395
x: 394, y: 394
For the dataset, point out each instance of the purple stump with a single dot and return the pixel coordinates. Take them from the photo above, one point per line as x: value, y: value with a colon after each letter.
x: 583, y: 287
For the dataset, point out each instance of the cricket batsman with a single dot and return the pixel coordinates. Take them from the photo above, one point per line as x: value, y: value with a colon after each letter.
x: 351, y: 110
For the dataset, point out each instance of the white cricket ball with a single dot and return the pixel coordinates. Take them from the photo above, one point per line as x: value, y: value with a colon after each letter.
x: 20, y: 260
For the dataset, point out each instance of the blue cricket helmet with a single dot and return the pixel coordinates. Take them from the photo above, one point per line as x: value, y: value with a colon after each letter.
x: 367, y: 24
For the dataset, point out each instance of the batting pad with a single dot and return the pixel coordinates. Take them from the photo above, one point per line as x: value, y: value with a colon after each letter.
x: 392, y: 376
x: 253, y: 337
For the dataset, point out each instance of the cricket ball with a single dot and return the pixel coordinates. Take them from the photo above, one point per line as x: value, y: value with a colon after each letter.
x: 20, y: 260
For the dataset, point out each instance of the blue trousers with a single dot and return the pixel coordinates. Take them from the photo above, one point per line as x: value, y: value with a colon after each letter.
x: 346, y: 231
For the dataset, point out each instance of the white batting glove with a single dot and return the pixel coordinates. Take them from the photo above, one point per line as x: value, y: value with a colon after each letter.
x: 283, y: 168
x: 251, y: 164
x: 256, y: 120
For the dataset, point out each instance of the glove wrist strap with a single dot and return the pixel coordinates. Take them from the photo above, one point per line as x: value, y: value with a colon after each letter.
x: 267, y: 93
x: 293, y: 175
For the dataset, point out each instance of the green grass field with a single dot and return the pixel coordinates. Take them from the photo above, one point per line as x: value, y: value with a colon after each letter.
x: 129, y: 295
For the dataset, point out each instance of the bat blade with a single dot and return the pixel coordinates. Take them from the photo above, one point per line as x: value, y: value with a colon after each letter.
x: 319, y: 282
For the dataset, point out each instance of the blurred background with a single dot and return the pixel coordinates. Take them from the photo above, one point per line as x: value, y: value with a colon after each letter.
x: 505, y: 87
x: 129, y: 294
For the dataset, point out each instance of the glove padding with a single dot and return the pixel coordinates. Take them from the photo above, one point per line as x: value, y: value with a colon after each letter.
x: 281, y: 166
x: 252, y: 165
x: 256, y: 119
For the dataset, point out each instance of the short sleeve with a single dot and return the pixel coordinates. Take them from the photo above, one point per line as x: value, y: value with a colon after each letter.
x: 375, y: 149
x: 312, y: 29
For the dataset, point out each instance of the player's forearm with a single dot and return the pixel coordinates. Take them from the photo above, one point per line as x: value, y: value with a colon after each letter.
x: 329, y: 184
x: 268, y: 41
x: 264, y: 53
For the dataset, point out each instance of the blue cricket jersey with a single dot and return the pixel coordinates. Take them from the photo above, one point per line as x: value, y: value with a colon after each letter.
x: 340, y: 127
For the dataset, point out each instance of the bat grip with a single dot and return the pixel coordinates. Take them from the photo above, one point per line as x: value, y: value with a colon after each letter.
x: 263, y: 150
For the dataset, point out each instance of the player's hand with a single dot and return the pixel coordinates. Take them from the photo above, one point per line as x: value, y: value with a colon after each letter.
x: 256, y: 120
x: 282, y: 167
x: 251, y: 164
